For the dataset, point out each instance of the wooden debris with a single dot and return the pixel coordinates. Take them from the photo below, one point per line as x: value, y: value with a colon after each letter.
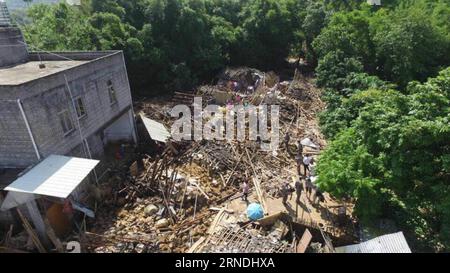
x: 31, y: 232
x: 134, y: 169
x: 196, y: 245
x: 304, y: 242
x: 52, y: 235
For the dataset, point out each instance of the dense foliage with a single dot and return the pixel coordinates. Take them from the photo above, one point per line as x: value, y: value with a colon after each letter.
x: 390, y: 135
x: 383, y: 71
x: 174, y: 44
x: 393, y: 157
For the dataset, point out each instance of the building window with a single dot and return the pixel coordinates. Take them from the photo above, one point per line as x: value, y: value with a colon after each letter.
x: 81, y: 110
x: 66, y: 122
x: 112, y: 92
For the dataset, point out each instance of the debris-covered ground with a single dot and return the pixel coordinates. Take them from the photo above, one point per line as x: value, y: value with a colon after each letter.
x: 172, y: 202
x: 185, y: 196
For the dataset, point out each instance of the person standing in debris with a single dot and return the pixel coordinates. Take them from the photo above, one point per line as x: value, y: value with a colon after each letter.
x: 318, y: 197
x: 312, y: 168
x: 308, y: 185
x: 299, y: 157
x: 300, y: 149
x: 245, y: 190
x: 287, y: 138
x: 307, y: 160
x: 285, y: 192
x: 298, y: 190
x: 299, y: 161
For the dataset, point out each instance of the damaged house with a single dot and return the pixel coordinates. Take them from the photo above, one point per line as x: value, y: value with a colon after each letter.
x: 58, y: 111
x: 60, y: 103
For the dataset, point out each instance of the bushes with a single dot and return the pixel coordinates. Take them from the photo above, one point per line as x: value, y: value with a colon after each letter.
x: 345, y: 102
x: 399, y: 45
x: 394, y: 156
x: 334, y: 68
x: 163, y: 37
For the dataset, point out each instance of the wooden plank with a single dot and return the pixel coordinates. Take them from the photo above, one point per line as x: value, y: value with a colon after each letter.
x: 269, y: 220
x: 31, y: 232
x: 8, y: 236
x: 51, y: 234
x: 194, y: 247
x: 256, y: 183
x: 304, y: 242
x: 230, y: 211
x: 11, y: 250
x: 216, y: 221
x: 134, y: 169
x: 200, y: 189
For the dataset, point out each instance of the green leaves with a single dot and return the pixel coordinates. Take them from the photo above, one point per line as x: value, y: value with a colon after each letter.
x: 334, y: 68
x: 393, y: 158
x: 267, y: 33
x: 409, y: 42
x: 389, y: 149
x: 408, y: 47
x: 57, y: 28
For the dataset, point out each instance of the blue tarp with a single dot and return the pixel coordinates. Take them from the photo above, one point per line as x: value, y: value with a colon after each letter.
x: 255, y: 211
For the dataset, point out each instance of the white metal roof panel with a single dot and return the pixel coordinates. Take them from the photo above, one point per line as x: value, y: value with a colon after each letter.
x: 390, y: 243
x: 156, y: 130
x: 56, y: 176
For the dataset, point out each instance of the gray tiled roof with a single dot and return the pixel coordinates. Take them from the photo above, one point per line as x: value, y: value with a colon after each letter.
x: 5, y: 19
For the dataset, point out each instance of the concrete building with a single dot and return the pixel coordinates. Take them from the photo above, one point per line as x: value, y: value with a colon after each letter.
x: 64, y: 103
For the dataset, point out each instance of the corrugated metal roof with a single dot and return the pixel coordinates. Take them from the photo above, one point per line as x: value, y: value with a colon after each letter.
x: 56, y: 176
x: 390, y: 243
x: 156, y: 130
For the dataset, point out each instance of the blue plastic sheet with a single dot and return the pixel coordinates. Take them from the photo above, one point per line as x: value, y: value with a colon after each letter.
x: 255, y: 211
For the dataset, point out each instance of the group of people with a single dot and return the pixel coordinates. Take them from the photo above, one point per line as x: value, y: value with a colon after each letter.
x: 313, y: 193
x: 305, y: 160
x: 305, y: 183
x: 243, y: 87
x: 305, y: 170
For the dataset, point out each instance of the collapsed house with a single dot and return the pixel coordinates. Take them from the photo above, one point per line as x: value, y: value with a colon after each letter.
x: 187, y: 196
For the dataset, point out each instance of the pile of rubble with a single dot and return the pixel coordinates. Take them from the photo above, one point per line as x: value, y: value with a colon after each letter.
x: 230, y: 237
x: 168, y: 205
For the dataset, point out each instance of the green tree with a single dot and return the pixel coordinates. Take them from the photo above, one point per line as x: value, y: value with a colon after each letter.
x: 267, y: 34
x: 348, y: 33
x: 408, y: 46
x: 333, y: 69
x: 313, y: 23
x: 343, y: 108
x: 58, y: 27
x: 397, y: 152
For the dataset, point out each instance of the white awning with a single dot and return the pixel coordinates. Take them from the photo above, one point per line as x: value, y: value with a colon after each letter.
x: 56, y: 176
x: 156, y: 130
